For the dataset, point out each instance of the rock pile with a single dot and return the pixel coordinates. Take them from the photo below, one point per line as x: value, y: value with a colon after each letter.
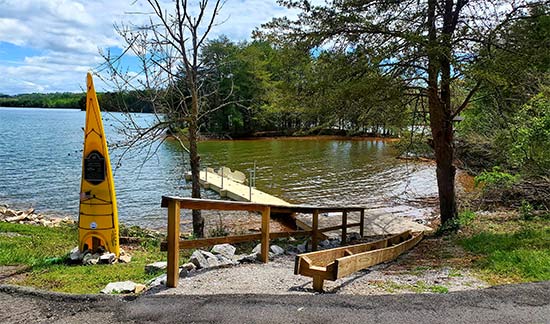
x: 99, y: 257
x: 29, y: 217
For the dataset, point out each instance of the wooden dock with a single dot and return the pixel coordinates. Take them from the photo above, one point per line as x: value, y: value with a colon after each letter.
x: 232, y: 189
x: 229, y: 185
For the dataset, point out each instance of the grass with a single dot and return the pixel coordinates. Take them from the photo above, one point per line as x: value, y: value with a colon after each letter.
x: 512, y: 254
x: 501, y: 248
x: 417, y: 287
x: 44, y: 253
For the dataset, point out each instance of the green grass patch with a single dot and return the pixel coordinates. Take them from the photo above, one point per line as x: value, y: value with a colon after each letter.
x: 34, y: 245
x: 45, y: 252
x: 418, y: 287
x: 521, y: 255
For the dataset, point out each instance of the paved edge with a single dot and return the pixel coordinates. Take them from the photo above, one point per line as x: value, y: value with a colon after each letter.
x: 506, y: 291
x: 57, y: 296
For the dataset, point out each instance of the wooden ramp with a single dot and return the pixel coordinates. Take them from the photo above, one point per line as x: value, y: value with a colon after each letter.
x: 337, y: 263
x: 230, y: 184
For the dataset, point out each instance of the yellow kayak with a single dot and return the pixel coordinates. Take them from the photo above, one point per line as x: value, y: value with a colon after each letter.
x: 98, y: 216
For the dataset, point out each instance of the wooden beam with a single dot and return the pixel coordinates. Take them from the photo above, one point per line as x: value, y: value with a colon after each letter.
x: 265, y: 234
x: 173, y: 244
x: 315, y: 230
x: 210, y: 204
x: 306, y: 227
x: 336, y: 263
x: 203, y: 242
x: 350, y: 264
x: 362, y: 223
x: 344, y: 227
x: 338, y: 227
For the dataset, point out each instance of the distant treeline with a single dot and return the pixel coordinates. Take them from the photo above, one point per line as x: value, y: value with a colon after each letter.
x: 108, y: 101
x: 41, y: 100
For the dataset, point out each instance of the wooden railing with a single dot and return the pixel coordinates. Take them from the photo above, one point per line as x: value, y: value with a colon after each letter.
x: 175, y: 204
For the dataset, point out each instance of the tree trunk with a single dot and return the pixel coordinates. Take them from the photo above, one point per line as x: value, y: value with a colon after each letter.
x: 198, y: 220
x: 439, y: 103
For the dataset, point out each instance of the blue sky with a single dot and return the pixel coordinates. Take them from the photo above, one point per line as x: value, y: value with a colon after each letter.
x: 49, y: 45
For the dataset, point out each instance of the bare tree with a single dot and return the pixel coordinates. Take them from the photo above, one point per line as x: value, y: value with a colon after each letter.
x: 169, y: 81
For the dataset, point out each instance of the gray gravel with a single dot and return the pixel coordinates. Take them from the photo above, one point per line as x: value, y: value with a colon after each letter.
x: 277, y: 277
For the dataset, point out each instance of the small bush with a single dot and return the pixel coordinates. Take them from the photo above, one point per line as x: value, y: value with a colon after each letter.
x: 495, y: 179
x: 526, y: 210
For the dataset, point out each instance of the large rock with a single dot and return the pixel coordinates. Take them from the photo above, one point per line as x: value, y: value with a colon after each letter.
x: 257, y: 249
x: 156, y: 267
x: 121, y: 287
x: 277, y: 250
x: 226, y: 250
x: 126, y: 258
x: 188, y: 266
x: 107, y: 258
x: 160, y: 280
x: 223, y: 261
x: 302, y: 248
x: 90, y: 259
x: 139, y: 288
x: 325, y: 244
x: 75, y: 256
x: 198, y: 259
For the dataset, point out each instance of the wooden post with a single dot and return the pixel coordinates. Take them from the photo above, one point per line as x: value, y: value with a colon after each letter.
x: 362, y: 223
x: 265, y: 234
x: 314, y: 230
x: 318, y: 283
x: 173, y: 243
x: 344, y: 226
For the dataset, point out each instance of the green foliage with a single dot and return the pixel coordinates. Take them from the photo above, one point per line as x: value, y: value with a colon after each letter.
x: 465, y: 217
x: 220, y: 229
x: 495, y: 178
x: 34, y: 246
x: 509, y: 122
x: 524, y: 253
x: 40, y: 100
x: 528, y: 142
x: 526, y: 210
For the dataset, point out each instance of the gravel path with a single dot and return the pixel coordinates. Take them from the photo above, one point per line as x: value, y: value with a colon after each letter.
x: 277, y: 277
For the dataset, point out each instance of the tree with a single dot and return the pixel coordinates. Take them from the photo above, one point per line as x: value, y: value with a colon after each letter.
x: 168, y: 49
x: 513, y: 76
x: 427, y: 43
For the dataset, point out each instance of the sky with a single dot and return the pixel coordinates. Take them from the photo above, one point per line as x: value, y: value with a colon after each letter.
x: 49, y: 45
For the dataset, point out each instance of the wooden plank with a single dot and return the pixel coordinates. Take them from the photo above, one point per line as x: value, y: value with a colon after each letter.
x: 362, y: 223
x: 228, y: 187
x: 210, y: 204
x: 344, y: 227
x: 309, y: 209
x: 315, y: 230
x: 328, y: 265
x: 203, y: 242
x: 306, y: 227
x: 338, y: 227
x: 350, y: 264
x: 265, y: 234
x: 173, y: 244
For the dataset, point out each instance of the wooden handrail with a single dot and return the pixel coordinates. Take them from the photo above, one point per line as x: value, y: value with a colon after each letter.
x: 175, y: 204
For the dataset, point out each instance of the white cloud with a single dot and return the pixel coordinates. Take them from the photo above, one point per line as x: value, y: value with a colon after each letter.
x: 67, y: 34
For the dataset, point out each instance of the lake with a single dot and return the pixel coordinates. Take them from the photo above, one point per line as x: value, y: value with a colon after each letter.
x: 41, y: 152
